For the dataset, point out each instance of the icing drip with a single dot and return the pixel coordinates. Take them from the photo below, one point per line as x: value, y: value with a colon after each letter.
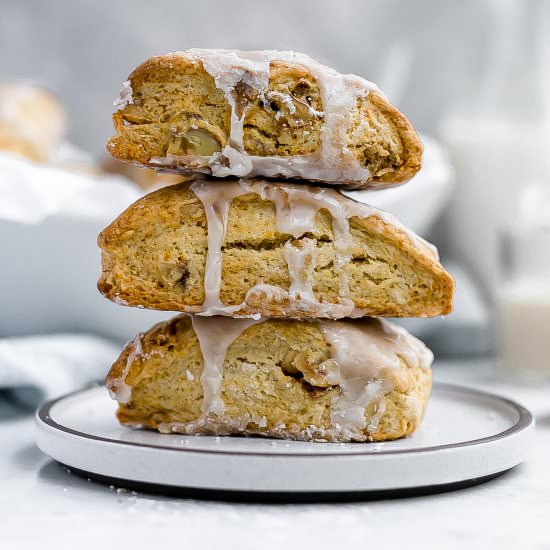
x: 231, y: 69
x: 124, y: 97
x: 118, y: 389
x: 332, y: 162
x: 216, y: 206
x: 296, y: 210
x: 364, y: 351
x: 215, y: 335
x: 342, y: 244
x: 301, y: 264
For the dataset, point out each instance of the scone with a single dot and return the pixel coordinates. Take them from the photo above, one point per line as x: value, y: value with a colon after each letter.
x: 265, y: 113
x: 353, y: 380
x: 32, y: 121
x: 257, y: 248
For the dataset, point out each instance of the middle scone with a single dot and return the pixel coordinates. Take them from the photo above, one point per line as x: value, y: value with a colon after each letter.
x: 262, y: 248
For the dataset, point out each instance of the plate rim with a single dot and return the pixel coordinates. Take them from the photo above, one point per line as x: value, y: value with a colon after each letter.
x: 525, y: 420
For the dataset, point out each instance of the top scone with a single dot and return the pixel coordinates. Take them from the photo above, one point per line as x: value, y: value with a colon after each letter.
x: 265, y: 113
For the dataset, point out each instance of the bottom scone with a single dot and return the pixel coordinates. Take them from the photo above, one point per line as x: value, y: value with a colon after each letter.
x: 353, y: 380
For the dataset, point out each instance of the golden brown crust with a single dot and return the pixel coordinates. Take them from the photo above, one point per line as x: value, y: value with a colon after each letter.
x: 173, y: 93
x: 154, y: 253
x: 412, y: 145
x: 266, y: 388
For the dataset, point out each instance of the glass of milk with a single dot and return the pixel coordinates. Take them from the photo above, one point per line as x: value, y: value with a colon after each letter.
x: 523, y: 295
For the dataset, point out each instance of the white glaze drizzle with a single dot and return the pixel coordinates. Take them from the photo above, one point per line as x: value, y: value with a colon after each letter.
x: 215, y: 335
x: 296, y: 209
x: 301, y: 264
x: 118, y: 388
x: 364, y: 351
x: 125, y: 96
x: 216, y: 203
x: 332, y: 162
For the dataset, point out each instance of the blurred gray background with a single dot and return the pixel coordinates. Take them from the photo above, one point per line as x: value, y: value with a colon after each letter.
x: 427, y: 55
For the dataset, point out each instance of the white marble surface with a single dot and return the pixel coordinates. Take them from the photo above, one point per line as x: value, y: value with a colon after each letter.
x: 42, y: 503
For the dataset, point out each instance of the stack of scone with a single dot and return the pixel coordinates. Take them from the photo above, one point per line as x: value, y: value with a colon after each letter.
x: 282, y: 283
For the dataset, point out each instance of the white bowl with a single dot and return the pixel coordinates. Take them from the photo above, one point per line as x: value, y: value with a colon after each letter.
x: 49, y: 222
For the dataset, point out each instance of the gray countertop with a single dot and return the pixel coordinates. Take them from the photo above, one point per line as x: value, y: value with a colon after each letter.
x: 40, y: 502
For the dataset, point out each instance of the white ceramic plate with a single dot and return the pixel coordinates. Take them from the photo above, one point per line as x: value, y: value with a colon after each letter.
x: 466, y: 435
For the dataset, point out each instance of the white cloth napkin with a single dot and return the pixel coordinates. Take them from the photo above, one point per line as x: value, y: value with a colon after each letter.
x: 31, y: 193
x: 35, y: 368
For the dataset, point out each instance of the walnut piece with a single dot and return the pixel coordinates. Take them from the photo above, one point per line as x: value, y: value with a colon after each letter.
x: 195, y: 141
x: 173, y: 273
